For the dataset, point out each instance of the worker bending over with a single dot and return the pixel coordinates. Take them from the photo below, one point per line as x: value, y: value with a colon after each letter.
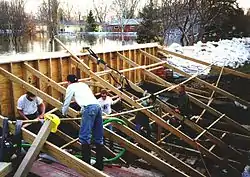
x: 30, y: 106
x: 91, y: 118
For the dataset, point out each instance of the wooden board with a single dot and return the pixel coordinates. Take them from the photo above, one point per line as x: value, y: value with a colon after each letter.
x: 5, y: 168
x: 34, y: 150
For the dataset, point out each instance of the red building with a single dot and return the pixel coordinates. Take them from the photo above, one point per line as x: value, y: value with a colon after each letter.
x: 130, y: 25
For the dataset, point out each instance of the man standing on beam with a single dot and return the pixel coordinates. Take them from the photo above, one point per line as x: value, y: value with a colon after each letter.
x: 91, y: 118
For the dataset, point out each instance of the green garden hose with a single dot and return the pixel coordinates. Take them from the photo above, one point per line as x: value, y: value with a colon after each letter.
x: 112, y: 119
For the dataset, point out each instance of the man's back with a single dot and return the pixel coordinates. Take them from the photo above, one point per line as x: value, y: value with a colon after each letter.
x: 82, y: 93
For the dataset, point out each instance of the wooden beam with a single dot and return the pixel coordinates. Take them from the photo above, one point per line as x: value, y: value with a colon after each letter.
x: 204, y: 131
x: 39, y: 84
x: 12, y: 93
x: 161, y: 152
x: 156, y: 162
x: 188, y: 151
x: 62, y: 156
x: 34, y: 150
x: 50, y: 75
x: 69, y: 143
x: 126, y: 112
x: 5, y: 168
x: 206, y: 84
x: 218, y: 68
x: 211, y: 97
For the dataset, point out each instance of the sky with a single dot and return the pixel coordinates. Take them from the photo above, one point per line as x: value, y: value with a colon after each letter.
x: 85, y: 5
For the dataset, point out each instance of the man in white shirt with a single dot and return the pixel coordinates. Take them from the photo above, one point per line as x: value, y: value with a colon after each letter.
x: 91, y: 118
x: 106, y: 102
x: 30, y: 106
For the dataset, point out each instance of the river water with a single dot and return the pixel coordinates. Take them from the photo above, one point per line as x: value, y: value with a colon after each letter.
x: 75, y: 43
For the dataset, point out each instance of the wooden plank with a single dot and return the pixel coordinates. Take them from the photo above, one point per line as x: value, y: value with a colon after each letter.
x: 139, y: 63
x: 204, y: 131
x: 39, y: 85
x: 156, y: 162
x: 211, y: 97
x: 69, y: 143
x: 227, y: 70
x: 206, y: 84
x: 50, y: 75
x: 70, y: 67
x: 213, y: 146
x: 60, y: 69
x: 5, y: 168
x: 34, y: 150
x: 12, y: 94
x: 161, y: 152
x: 233, y: 136
x: 62, y: 156
x: 129, y: 73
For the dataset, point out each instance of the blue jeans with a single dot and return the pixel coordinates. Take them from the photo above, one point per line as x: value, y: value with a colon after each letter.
x: 91, y: 122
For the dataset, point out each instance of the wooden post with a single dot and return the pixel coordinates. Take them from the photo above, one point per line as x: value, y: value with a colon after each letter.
x: 34, y: 150
x: 12, y: 93
x: 39, y: 85
x: 50, y: 75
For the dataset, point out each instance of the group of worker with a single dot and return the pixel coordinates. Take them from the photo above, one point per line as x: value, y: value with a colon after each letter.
x: 31, y: 106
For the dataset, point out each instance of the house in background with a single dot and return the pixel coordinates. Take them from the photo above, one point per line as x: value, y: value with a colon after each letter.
x: 72, y: 26
x: 130, y: 25
x: 41, y: 28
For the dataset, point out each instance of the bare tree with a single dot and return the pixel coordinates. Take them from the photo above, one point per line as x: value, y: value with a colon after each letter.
x: 48, y: 14
x: 191, y: 17
x: 101, y: 10
x: 124, y: 9
x: 17, y: 17
x: 67, y: 11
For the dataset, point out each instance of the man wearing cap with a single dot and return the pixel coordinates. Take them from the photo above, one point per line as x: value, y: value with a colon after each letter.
x: 91, y: 118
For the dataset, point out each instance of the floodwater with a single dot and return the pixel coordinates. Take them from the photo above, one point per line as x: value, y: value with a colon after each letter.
x: 74, y: 42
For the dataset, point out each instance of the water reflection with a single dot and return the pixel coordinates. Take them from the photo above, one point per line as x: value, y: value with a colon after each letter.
x: 75, y: 43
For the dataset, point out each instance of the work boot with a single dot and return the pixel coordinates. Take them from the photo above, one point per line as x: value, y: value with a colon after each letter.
x: 99, y: 156
x: 86, y: 153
